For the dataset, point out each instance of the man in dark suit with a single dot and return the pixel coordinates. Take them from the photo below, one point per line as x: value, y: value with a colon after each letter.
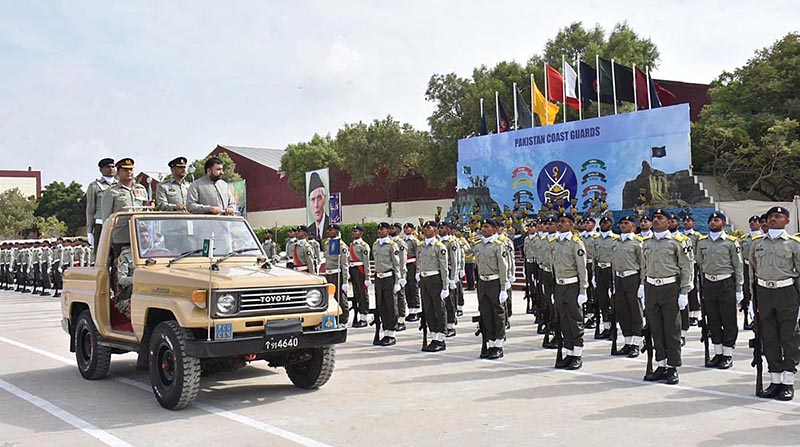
x: 318, y: 198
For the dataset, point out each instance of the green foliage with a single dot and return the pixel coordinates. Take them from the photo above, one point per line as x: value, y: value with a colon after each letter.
x: 64, y: 204
x: 51, y: 227
x: 17, y: 219
x: 308, y: 156
x: 281, y: 234
x: 749, y: 133
x: 229, y: 175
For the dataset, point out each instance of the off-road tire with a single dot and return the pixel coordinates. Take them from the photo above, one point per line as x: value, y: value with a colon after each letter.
x: 93, y: 360
x: 174, y: 376
x: 315, y: 372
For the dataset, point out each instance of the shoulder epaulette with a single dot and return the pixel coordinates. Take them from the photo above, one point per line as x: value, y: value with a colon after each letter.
x: 595, y: 235
x: 639, y: 238
x: 438, y: 244
x: 680, y: 238
x: 796, y: 238
x: 420, y: 243
x: 758, y: 236
x: 732, y: 238
x: 644, y: 238
x: 576, y: 238
x: 391, y: 241
x: 615, y: 236
x: 703, y: 237
x: 498, y: 241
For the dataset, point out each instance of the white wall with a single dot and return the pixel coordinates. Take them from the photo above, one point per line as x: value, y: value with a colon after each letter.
x: 26, y: 185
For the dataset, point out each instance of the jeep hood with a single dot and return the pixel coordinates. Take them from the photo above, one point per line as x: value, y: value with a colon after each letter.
x: 227, y: 277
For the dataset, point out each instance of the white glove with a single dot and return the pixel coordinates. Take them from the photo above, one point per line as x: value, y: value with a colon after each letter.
x: 462, y: 273
x: 739, y: 297
x: 640, y: 292
x: 367, y: 283
x: 403, y: 282
x: 503, y: 296
x: 417, y: 276
x: 452, y: 284
x: 582, y: 299
x: 594, y: 282
x: 396, y: 287
x: 346, y: 288
x: 750, y: 308
x: 445, y: 293
x: 552, y: 299
x: 683, y: 301
x: 90, y: 236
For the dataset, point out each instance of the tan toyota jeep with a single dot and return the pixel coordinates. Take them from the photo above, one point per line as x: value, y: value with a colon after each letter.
x: 191, y: 311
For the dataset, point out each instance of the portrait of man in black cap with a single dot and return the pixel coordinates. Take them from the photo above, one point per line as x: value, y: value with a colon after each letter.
x: 318, y: 205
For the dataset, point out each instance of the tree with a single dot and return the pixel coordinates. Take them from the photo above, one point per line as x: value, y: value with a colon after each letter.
x: 230, y: 174
x: 17, y: 219
x: 749, y: 132
x: 384, y: 150
x: 50, y: 227
x: 64, y: 203
x: 308, y: 156
x: 456, y: 100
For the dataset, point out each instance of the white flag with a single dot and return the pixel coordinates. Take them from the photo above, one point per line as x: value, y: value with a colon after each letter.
x: 571, y: 81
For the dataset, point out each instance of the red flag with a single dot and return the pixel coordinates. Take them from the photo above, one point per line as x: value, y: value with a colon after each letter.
x: 555, y: 88
x: 641, y: 88
x: 666, y: 97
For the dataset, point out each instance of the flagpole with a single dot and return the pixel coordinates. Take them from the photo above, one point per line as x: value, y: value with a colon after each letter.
x: 580, y: 98
x: 563, y: 90
x: 597, y: 75
x: 482, y: 116
x: 497, y: 108
x: 516, y: 122
x: 546, y: 98
x: 649, y: 105
x: 614, y: 84
x: 533, y: 104
x: 635, y: 98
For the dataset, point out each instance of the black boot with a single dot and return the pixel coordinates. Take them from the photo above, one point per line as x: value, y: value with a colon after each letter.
x: 772, y: 391
x: 566, y: 361
x: 625, y: 350
x: 634, y: 352
x: 672, y: 376
x: 400, y: 327
x: 727, y: 362
x: 656, y: 376
x: 714, y: 362
x: 787, y: 393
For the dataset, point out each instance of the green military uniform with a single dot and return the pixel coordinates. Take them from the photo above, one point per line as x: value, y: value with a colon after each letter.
x: 337, y: 272
x: 604, y: 245
x: 431, y: 255
x: 453, y: 250
x: 119, y: 198
x: 401, y: 294
x: 303, y: 255
x: 511, y: 264
x: 492, y: 286
x: 386, y: 254
x: 588, y: 238
x: 747, y: 243
x: 269, y: 248
x: 45, y: 262
x: 628, y: 262
x: 58, y: 282
x: 171, y: 193
x: 94, y: 199
x: 290, y: 252
x: 35, y: 267
x: 125, y: 268
x: 694, y: 296
x: 529, y: 254
x: 719, y: 261
x: 569, y: 270
x: 546, y: 284
x: 412, y: 286
x: 360, y: 273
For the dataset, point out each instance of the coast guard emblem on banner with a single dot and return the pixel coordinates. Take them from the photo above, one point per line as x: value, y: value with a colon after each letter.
x: 557, y: 182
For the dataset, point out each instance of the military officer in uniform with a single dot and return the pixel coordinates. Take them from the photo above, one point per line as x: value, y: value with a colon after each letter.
x: 547, y: 282
x: 674, y: 229
x: 171, y: 194
x: 569, y: 270
x: 694, y: 299
x: 45, y: 261
x: 747, y: 242
x: 122, y: 196
x: 396, y: 234
x: 303, y: 253
x: 502, y: 236
x: 492, y: 288
x: 290, y: 241
x: 604, y: 244
x: 775, y: 263
x: 668, y: 278
x: 528, y: 253
x: 432, y: 271
x: 34, y: 265
x: 94, y: 198
x: 646, y: 225
x: 269, y: 246
x: 58, y: 282
x: 360, y: 273
x: 386, y: 254
x: 719, y: 261
x: 412, y: 286
x: 628, y: 261
x: 452, y: 274
x: 337, y: 268
x: 588, y: 236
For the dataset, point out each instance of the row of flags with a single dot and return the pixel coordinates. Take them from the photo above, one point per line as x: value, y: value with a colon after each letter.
x: 608, y: 82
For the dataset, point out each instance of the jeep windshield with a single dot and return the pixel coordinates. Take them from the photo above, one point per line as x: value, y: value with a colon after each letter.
x: 171, y: 237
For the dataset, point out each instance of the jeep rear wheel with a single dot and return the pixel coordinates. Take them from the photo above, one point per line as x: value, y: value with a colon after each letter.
x: 93, y: 359
x: 315, y: 372
x: 175, y: 376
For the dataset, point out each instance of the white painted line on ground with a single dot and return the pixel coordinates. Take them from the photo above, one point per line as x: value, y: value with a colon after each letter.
x: 253, y: 423
x: 101, y: 435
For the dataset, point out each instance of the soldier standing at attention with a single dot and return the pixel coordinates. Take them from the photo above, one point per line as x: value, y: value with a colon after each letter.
x: 45, y: 261
x: 303, y: 253
x: 336, y: 268
x: 646, y: 224
x: 290, y: 248
x: 628, y: 262
x: 604, y: 246
x: 431, y: 257
x: 588, y: 235
x: 452, y: 273
x: 694, y: 299
x: 548, y: 282
x: 94, y: 198
x: 775, y: 262
x: 492, y: 288
x: 528, y: 253
x: 412, y: 286
x: 396, y: 234
x: 569, y: 269
x: 58, y: 282
x: 171, y: 194
x: 34, y: 265
x: 269, y: 246
x: 747, y: 242
x: 359, y: 276
x: 719, y: 260
x: 674, y: 229
x: 668, y: 279
x: 387, y: 281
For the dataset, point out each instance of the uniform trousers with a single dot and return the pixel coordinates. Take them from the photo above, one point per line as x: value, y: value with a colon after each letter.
x: 412, y: 288
x: 493, y: 313
x: 628, y: 306
x: 386, y: 302
x: 341, y: 297
x: 604, y: 278
x: 570, y: 314
x: 661, y: 306
x: 777, y: 310
x: 360, y: 297
x: 430, y: 288
x: 719, y: 302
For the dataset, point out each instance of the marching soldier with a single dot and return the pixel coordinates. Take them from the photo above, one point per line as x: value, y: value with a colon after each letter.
x: 4, y: 250
x: 386, y: 254
x: 22, y: 268
x: 775, y: 262
x: 628, y: 261
x: 492, y: 288
x: 337, y: 268
x: 94, y: 198
x: 604, y: 245
x: 303, y: 253
x: 412, y: 287
x: 719, y: 261
x: 452, y: 274
x: 171, y: 194
x: 360, y: 276
x: 433, y: 281
x: 668, y: 278
x: 694, y: 299
x: 269, y: 246
x: 395, y: 233
x: 569, y: 270
x: 34, y: 265
x: 747, y: 242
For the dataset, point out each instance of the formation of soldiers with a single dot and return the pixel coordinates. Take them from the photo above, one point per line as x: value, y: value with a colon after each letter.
x: 36, y: 267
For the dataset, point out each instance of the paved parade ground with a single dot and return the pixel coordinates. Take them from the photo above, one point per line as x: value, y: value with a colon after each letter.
x: 384, y: 396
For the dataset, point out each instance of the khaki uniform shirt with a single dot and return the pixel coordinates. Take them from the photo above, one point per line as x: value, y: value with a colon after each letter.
x: 171, y: 193
x: 452, y: 256
x: 432, y: 256
x: 336, y: 258
x: 359, y: 252
x: 720, y: 257
x: 58, y: 252
x: 94, y: 198
x: 569, y: 260
x: 125, y: 267
x: 401, y: 245
x: 269, y: 248
x: 118, y: 198
x: 387, y: 258
x: 667, y: 257
x: 628, y: 254
x: 604, y: 248
x: 529, y: 248
x: 491, y: 260
x: 410, y: 242
x: 589, y: 245
x: 775, y: 259
x: 303, y: 255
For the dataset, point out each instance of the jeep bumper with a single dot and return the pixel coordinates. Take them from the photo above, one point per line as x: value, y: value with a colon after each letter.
x: 265, y: 343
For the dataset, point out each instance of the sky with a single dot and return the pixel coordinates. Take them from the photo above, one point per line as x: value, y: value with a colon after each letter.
x: 153, y: 80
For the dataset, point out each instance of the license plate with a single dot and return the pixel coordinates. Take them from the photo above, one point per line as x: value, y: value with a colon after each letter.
x: 281, y: 342
x: 223, y: 331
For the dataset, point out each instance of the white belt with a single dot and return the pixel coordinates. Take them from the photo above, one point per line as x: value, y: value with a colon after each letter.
x: 489, y: 277
x: 331, y: 271
x: 772, y: 284
x: 429, y: 273
x: 547, y: 269
x: 747, y: 262
x: 589, y: 261
x: 716, y: 278
x: 626, y: 273
x: 603, y: 265
x: 410, y: 260
x: 565, y: 281
x: 530, y: 261
x: 98, y: 221
x: 384, y: 274
x: 662, y: 281
x: 302, y: 268
x: 356, y: 264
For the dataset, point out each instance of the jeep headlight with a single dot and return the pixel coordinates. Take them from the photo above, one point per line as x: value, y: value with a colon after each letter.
x: 314, y: 298
x: 226, y: 304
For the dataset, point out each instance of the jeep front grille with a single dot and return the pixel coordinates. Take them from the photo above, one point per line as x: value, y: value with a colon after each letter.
x: 272, y: 300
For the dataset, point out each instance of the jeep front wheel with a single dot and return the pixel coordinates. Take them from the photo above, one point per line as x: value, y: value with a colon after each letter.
x: 93, y: 359
x: 175, y: 376
x: 316, y: 371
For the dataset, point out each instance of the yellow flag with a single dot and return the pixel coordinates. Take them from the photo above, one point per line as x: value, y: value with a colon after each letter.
x: 546, y: 111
